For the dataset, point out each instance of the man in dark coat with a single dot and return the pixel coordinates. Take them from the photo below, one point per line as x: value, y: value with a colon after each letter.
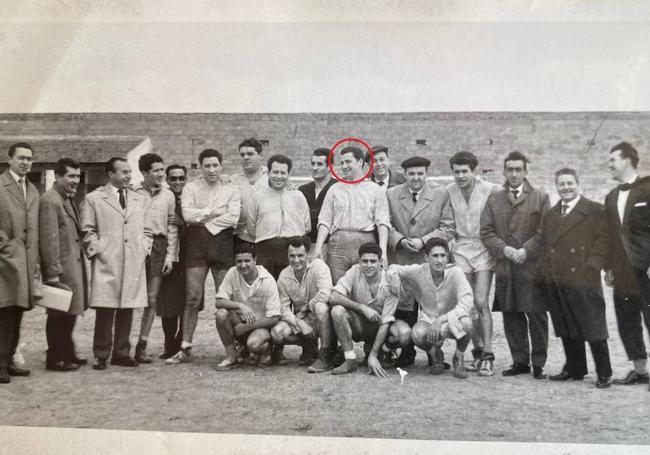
x: 62, y: 262
x: 510, y: 230
x: 628, y: 265
x: 316, y: 190
x: 381, y: 173
x: 18, y: 253
x: 574, y: 252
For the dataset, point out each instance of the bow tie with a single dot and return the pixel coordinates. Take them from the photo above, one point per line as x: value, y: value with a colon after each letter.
x: 624, y: 187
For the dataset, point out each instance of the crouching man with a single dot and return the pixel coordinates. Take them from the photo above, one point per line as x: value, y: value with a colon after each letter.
x: 304, y: 286
x: 446, y: 305
x: 248, y: 306
x: 363, y: 309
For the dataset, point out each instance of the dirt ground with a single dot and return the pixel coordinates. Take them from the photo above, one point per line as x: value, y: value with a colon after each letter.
x: 286, y: 400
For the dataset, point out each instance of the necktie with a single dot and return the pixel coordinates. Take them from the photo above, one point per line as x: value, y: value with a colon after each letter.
x: 122, y: 198
x: 515, y: 193
x: 74, y: 207
x: 381, y: 183
x: 565, y: 210
x: 21, y: 183
x: 415, y: 197
x: 624, y: 187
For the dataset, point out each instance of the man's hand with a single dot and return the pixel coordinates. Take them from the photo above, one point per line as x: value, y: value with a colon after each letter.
x: 318, y: 253
x: 53, y: 279
x: 408, y: 245
x: 371, y: 314
x: 510, y: 253
x: 247, y: 315
x: 609, y: 278
x: 241, y: 329
x: 434, y: 331
x: 217, y: 212
x: 167, y: 267
x: 384, y: 261
x: 417, y: 244
x: 520, y: 256
x: 374, y: 367
x: 305, y: 329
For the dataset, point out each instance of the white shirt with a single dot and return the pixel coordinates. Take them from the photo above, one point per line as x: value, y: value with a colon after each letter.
x: 23, y: 186
x: 571, y: 204
x: 622, y: 199
x: 116, y: 192
x: 519, y: 190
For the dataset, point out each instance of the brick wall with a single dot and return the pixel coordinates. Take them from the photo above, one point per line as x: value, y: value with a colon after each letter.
x: 551, y: 140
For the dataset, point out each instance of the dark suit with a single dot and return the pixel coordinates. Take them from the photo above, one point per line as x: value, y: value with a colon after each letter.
x: 18, y: 260
x: 394, y: 178
x: 629, y: 259
x: 574, y: 252
x: 315, y: 203
x: 506, y: 221
x: 62, y: 257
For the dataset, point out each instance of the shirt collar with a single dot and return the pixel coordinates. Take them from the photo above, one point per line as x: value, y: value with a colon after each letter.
x: 17, y: 177
x: 571, y: 203
x: 633, y: 179
x: 61, y: 191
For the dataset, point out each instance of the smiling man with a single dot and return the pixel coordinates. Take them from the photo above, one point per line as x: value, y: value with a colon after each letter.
x: 211, y: 210
x: 62, y: 261
x: 381, y: 172
x: 350, y: 214
x: 276, y: 214
x: 164, y: 249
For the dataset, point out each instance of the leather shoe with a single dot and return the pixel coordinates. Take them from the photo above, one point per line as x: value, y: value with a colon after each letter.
x: 603, y: 382
x: 78, y: 361
x: 13, y: 370
x: 100, y: 364
x: 61, y: 365
x: 124, y: 362
x: 565, y: 376
x: 632, y: 378
x: 4, y: 377
x: 538, y: 373
x: 516, y: 369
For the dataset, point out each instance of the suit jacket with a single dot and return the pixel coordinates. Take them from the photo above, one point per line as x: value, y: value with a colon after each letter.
x: 60, y: 245
x: 517, y: 223
x: 394, y: 178
x: 629, y: 240
x: 314, y: 203
x: 431, y: 216
x: 574, y: 248
x: 18, y: 242
x: 116, y: 241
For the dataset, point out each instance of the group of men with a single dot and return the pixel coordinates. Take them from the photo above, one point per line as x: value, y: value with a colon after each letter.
x: 392, y: 261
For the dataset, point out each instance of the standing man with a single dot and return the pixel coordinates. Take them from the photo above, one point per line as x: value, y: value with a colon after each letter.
x: 170, y: 303
x: 19, y: 204
x: 117, y: 242
x: 418, y: 213
x: 628, y: 265
x: 63, y: 262
x: 575, y: 249
x: 510, y: 230
x: 305, y: 286
x: 350, y: 214
x: 363, y: 309
x: 248, y: 306
x: 164, y: 249
x: 381, y: 173
x: 316, y: 190
x: 211, y: 209
x: 253, y: 178
x: 275, y: 215
x: 468, y: 196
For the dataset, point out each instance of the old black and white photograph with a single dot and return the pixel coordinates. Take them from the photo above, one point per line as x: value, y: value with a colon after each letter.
x: 325, y: 227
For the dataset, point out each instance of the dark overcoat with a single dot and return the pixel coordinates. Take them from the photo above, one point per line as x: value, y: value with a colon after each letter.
x: 574, y: 251
x: 506, y: 221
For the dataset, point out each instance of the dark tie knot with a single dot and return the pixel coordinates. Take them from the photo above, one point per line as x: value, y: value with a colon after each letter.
x: 624, y: 187
x: 381, y: 183
x: 515, y: 193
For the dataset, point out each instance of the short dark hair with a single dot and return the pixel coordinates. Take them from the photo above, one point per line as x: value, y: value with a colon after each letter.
x: 566, y: 171
x: 627, y: 151
x: 210, y: 153
x: 370, y: 248
x: 19, y: 145
x: 147, y: 160
x: 321, y: 152
x: 245, y: 247
x: 516, y: 156
x: 356, y: 151
x: 110, y: 164
x: 300, y: 240
x: 434, y: 242
x: 61, y: 166
x: 251, y: 142
x: 282, y: 159
x: 171, y: 167
x: 463, y: 158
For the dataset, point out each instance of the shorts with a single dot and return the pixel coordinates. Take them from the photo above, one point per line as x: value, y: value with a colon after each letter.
x: 207, y: 250
x: 156, y: 259
x: 410, y: 317
x: 472, y: 256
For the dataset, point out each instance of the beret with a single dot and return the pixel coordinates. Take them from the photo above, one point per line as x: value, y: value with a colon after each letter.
x: 415, y: 161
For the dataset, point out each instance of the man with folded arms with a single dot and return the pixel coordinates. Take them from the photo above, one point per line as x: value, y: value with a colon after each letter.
x: 363, y: 309
x: 248, y: 306
x: 164, y: 250
x: 446, y: 305
x: 350, y: 214
x: 304, y: 286
x: 63, y: 262
x: 275, y: 214
x: 211, y: 210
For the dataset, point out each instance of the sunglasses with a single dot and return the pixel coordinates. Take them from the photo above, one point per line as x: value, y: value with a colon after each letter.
x: 176, y: 179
